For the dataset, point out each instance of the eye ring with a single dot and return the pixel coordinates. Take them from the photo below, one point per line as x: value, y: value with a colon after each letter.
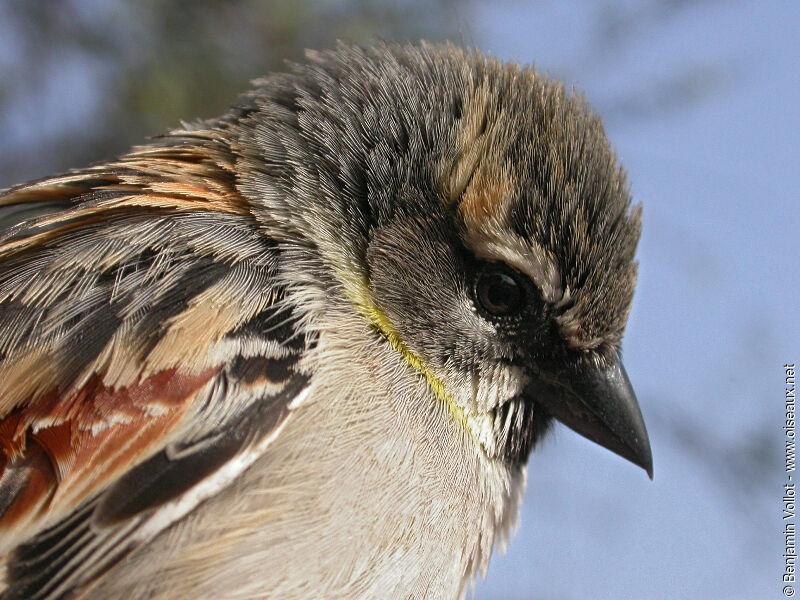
x: 498, y: 291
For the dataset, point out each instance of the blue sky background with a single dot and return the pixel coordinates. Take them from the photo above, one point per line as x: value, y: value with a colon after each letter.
x: 701, y: 100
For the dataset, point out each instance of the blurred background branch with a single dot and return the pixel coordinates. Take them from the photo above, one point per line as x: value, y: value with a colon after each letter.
x: 136, y: 68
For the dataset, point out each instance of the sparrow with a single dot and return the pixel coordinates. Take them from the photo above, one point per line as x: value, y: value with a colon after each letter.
x: 305, y: 349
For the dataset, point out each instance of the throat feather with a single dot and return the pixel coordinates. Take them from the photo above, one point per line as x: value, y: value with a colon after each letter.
x: 478, y: 426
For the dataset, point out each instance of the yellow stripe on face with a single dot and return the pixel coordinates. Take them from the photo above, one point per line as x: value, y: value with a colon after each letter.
x: 479, y: 426
x: 379, y: 319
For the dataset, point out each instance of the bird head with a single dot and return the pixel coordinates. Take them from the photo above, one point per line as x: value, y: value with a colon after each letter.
x: 473, y: 213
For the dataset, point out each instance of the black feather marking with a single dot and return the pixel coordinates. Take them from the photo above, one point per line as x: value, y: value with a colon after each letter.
x: 89, y: 333
x: 276, y: 323
x: 36, y: 566
x: 23, y: 317
x: 251, y: 369
x: 161, y: 479
x: 143, y: 262
x: 202, y: 274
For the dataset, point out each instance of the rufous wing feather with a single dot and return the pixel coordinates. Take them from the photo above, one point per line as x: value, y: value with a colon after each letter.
x: 147, y: 355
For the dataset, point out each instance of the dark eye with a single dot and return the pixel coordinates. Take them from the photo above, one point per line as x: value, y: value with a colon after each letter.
x: 498, y: 292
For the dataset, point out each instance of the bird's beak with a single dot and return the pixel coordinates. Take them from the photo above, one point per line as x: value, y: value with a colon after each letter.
x: 599, y: 403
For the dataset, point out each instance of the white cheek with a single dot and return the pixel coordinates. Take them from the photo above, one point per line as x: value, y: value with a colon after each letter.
x: 498, y: 383
x: 488, y: 387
